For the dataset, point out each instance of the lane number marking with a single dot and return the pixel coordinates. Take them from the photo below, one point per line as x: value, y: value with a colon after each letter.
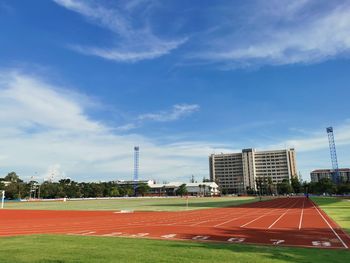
x: 169, y: 236
x: 236, y: 239
x: 277, y: 241
x: 140, y: 235
x: 88, y: 233
x: 113, y: 234
x: 321, y: 243
x: 200, y: 237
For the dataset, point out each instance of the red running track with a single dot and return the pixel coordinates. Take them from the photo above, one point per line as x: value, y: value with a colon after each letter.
x: 284, y: 222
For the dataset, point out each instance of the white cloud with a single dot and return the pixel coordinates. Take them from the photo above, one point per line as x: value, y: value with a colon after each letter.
x: 134, y: 43
x: 313, y: 148
x: 178, y: 111
x: 45, y: 129
x: 314, y: 141
x: 283, y: 32
x: 42, y: 104
x: 127, y: 127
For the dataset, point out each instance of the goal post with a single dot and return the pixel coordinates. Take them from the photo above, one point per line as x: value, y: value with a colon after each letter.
x: 2, y: 198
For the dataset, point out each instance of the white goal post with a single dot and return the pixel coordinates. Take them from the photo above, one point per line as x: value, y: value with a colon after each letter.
x: 2, y: 198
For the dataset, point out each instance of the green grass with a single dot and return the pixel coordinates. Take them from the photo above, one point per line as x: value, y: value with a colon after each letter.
x: 55, y: 248
x: 338, y: 209
x: 139, y: 204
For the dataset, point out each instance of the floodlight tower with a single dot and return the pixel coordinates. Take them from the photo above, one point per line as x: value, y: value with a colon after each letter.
x: 136, y: 167
x: 334, y: 159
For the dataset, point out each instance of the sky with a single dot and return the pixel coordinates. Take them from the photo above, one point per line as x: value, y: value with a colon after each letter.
x: 84, y: 81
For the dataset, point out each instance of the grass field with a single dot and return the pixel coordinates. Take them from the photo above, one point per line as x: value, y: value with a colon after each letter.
x: 338, y: 209
x: 101, y: 249
x: 139, y: 204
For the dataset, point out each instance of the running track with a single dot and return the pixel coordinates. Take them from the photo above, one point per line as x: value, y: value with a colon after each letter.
x: 281, y: 222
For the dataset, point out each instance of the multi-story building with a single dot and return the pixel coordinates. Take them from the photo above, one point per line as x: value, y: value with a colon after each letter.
x: 319, y: 174
x: 237, y: 172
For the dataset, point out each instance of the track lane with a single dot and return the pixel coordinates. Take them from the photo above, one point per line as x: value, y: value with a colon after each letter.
x: 188, y: 225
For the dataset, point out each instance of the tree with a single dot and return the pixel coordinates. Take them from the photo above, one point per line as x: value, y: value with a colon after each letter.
x: 142, y: 189
x: 114, y: 192
x: 192, y: 179
x: 284, y: 187
x: 12, y: 177
x: 204, y: 187
x: 209, y: 189
x: 259, y: 185
x: 269, y: 185
x: 182, y: 190
x: 343, y: 189
x: 325, y: 185
x: 296, y: 184
x: 200, y: 189
x: 16, y: 190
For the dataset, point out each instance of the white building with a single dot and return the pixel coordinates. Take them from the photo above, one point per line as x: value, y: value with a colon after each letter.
x: 237, y: 172
x: 195, y: 189
x: 319, y: 174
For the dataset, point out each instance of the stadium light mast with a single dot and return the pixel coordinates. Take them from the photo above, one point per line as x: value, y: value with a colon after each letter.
x: 334, y: 159
x: 136, y: 167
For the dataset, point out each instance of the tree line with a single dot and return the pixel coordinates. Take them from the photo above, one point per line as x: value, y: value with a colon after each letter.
x: 323, y: 186
x: 15, y: 188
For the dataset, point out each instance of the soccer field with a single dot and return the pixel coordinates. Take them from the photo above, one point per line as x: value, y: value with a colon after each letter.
x: 136, y: 204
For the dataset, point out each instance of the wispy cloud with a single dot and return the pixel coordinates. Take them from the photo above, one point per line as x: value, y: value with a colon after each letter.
x: 134, y: 43
x: 279, y: 33
x: 178, y: 111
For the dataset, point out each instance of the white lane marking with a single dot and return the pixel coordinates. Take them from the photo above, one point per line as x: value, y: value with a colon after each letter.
x: 321, y: 243
x: 124, y: 212
x: 262, y: 216
x: 236, y: 218
x: 236, y: 239
x: 282, y: 215
x: 113, y: 234
x: 88, y: 233
x: 335, y: 233
x: 140, y: 235
x: 260, y: 205
x: 301, y: 215
x: 200, y: 237
x: 277, y: 241
x: 79, y: 232
x: 169, y: 236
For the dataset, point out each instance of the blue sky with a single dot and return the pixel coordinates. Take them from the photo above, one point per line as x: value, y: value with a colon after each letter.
x: 82, y: 82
